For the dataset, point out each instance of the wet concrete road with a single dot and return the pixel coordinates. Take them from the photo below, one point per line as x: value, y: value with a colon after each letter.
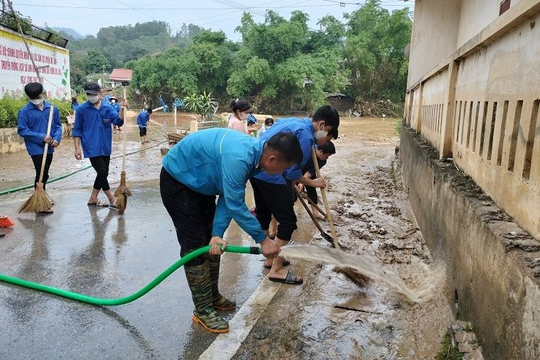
x: 97, y: 252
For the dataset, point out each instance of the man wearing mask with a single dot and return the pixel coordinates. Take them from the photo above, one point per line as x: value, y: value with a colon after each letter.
x: 32, y: 122
x: 92, y: 134
x: 274, y: 193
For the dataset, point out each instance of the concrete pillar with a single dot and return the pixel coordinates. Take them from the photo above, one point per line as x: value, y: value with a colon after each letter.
x: 448, y: 113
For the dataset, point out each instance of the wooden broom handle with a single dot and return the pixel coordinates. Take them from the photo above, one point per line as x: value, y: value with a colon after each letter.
x: 124, y: 135
x: 323, y: 192
x: 46, y: 147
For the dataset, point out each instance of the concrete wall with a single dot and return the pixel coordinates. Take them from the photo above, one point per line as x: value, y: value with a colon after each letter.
x: 491, y: 262
x: 428, y: 48
x: 11, y: 142
x: 480, y: 105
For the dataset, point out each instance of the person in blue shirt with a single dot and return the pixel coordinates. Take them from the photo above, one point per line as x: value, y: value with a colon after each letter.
x: 114, y: 103
x: 274, y: 194
x: 218, y: 162
x: 32, y: 122
x: 142, y: 121
x: 92, y: 135
x: 323, y: 153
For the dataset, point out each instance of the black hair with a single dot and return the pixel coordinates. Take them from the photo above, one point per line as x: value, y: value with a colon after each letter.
x: 239, y: 105
x: 149, y: 110
x: 328, y: 114
x: 268, y: 121
x: 333, y: 132
x: 74, y: 100
x: 33, y: 90
x: 288, y: 146
x: 328, y: 148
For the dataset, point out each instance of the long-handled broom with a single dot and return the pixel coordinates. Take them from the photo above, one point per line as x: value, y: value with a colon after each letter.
x: 323, y: 192
x: 39, y: 201
x: 122, y: 192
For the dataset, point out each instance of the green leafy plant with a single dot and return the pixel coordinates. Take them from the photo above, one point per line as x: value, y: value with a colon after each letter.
x: 448, y: 351
x: 202, y: 105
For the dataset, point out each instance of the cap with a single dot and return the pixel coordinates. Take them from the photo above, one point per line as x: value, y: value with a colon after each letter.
x: 92, y: 88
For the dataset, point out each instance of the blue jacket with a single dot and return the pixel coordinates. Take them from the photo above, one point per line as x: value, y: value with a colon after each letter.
x: 32, y: 126
x: 116, y: 106
x: 219, y: 162
x: 303, y: 129
x: 143, y: 118
x: 94, y: 127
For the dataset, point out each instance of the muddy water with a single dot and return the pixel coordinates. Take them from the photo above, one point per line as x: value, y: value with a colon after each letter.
x: 363, y: 265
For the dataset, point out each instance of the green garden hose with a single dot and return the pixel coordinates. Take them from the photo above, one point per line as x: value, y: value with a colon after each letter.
x: 120, y: 301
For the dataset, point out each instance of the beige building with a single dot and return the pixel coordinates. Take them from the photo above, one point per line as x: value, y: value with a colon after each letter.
x: 473, y: 93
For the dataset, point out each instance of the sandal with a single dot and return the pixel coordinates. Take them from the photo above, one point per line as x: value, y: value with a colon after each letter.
x: 99, y: 203
x: 285, y: 263
x: 290, y: 279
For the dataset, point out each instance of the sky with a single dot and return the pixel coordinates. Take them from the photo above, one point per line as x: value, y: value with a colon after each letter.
x: 87, y: 17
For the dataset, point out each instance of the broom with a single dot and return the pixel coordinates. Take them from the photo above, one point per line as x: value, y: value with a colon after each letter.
x: 122, y: 192
x: 39, y: 201
x: 352, y: 274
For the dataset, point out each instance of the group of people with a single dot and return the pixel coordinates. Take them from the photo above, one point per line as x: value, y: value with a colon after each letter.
x: 220, y: 162
x: 204, y: 165
x: 91, y: 131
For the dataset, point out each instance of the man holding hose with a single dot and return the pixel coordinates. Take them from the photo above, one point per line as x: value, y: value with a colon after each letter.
x: 209, y: 163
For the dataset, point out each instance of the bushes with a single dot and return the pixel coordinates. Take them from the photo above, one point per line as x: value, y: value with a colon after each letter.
x: 10, y: 106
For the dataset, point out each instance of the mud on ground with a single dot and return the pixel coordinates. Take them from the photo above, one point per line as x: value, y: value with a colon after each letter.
x: 329, y: 316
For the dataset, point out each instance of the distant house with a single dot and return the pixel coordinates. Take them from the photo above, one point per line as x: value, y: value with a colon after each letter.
x: 120, y: 75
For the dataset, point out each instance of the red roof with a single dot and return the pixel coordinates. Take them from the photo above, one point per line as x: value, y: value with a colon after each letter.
x: 121, y: 75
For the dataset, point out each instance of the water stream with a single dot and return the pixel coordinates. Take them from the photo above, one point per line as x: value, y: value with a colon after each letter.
x: 364, y: 266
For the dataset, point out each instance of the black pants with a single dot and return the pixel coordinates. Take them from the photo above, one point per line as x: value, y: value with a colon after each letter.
x: 192, y: 214
x: 37, y: 159
x: 277, y: 200
x: 312, y: 193
x: 101, y: 165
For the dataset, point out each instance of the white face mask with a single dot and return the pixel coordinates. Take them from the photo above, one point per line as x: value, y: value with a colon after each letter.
x: 36, y: 102
x: 92, y: 98
x: 320, y: 134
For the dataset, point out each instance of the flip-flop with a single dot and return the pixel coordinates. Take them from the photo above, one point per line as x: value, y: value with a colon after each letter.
x: 46, y: 212
x: 113, y: 207
x: 285, y: 263
x: 99, y: 203
x: 290, y: 279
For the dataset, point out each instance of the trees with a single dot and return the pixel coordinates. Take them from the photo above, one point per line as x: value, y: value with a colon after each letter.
x: 96, y: 62
x: 374, y: 52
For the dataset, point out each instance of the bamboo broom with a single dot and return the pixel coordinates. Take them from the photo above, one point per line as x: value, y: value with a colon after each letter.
x: 122, y: 192
x: 39, y: 201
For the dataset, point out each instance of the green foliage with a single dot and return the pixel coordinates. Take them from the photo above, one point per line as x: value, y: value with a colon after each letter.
x: 374, y: 52
x: 448, y: 351
x: 96, y: 62
x: 10, y: 106
x: 202, y: 105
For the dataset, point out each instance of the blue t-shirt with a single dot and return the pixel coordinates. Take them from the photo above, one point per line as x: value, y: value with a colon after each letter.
x: 143, y: 118
x: 219, y: 162
x: 94, y: 127
x: 32, y: 127
x: 303, y: 129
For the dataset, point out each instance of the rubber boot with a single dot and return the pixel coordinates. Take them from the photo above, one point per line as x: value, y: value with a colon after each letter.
x: 218, y: 301
x: 198, y: 278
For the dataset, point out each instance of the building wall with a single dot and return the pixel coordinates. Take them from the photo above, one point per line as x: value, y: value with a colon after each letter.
x: 480, y: 105
x: 16, y: 69
x: 431, y: 19
x: 492, y: 278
